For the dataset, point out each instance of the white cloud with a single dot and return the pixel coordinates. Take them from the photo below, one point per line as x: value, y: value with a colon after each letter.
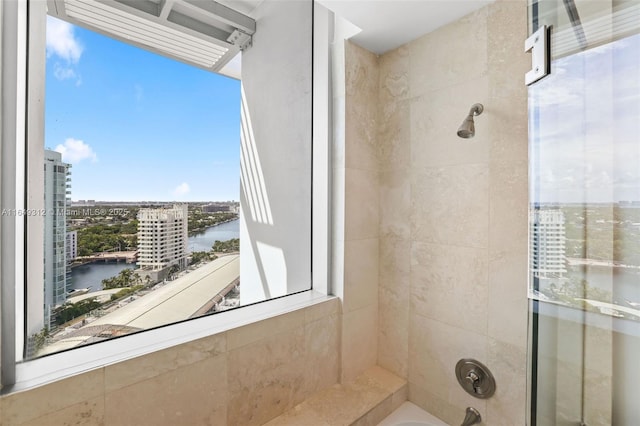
x: 63, y: 73
x: 62, y: 42
x: 74, y: 151
x: 182, y: 189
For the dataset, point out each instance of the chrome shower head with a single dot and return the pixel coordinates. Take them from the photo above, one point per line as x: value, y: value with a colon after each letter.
x: 467, y: 129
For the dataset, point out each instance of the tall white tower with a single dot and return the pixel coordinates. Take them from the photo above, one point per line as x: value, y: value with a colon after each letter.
x: 57, y: 185
x: 548, y: 243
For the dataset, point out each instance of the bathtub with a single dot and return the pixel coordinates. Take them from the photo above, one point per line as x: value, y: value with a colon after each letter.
x: 409, y: 414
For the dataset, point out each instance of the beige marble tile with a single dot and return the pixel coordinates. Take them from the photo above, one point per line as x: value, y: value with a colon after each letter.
x: 599, y: 354
x: 393, y: 331
x: 394, y: 295
x: 508, y: 364
x: 394, y: 135
x: 599, y: 400
x: 194, y: 394
x: 395, y: 204
x: 507, y: 305
x: 435, y: 405
x: 399, y: 397
x: 508, y: 130
x: 361, y: 204
x: 509, y: 208
x: 361, y: 70
x: 450, y: 205
x: 435, y: 348
x: 322, y: 347
x: 361, y: 108
x: 87, y: 413
x: 382, y: 378
x: 138, y: 369
x: 376, y: 414
x: 449, y: 55
x: 22, y: 407
x: 460, y: 399
x: 251, y: 333
x: 449, y: 284
x: 300, y: 415
x: 435, y: 119
x: 568, y: 397
x: 394, y: 75
x: 507, y: 61
x: 395, y: 266
x: 361, y: 147
x: 266, y: 378
x: 559, y: 370
x: 346, y: 403
x: 322, y: 310
x: 359, y: 341
x: 599, y: 347
x: 360, y: 274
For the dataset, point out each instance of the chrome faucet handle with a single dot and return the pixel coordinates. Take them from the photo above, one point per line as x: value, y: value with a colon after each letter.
x: 473, y: 379
x: 472, y: 417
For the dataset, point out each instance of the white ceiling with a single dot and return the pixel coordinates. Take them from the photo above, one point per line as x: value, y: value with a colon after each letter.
x: 387, y: 24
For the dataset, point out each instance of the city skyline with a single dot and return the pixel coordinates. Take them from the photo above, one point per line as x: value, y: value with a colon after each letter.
x: 583, y: 143
x: 138, y: 126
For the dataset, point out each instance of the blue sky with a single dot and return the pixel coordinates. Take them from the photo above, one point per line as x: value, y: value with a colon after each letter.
x: 136, y: 125
x: 587, y: 147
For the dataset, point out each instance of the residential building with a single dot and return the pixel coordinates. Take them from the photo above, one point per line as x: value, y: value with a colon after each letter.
x: 162, y: 237
x: 72, y: 245
x: 57, y: 185
x: 216, y: 207
x: 548, y: 243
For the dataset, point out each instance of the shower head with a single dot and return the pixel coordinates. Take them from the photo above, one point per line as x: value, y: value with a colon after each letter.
x: 467, y: 128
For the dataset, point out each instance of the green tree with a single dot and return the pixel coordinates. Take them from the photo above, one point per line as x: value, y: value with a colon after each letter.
x: 199, y: 256
x: 126, y: 278
x: 227, y: 246
x: 69, y: 311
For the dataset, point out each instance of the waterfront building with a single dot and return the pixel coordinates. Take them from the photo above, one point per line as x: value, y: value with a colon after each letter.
x: 57, y: 190
x: 216, y: 207
x: 162, y: 237
x: 72, y: 245
x: 548, y: 241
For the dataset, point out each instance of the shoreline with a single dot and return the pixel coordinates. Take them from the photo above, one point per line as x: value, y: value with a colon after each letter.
x: 202, y: 230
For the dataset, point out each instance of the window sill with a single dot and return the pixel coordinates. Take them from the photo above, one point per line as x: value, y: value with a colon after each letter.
x: 53, y: 367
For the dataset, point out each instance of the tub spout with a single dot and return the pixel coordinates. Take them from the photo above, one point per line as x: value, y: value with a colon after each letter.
x: 472, y: 417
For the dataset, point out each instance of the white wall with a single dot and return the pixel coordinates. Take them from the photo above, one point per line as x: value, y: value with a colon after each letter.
x: 275, y: 199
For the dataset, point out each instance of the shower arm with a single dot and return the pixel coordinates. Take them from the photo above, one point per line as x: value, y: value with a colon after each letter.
x: 476, y: 109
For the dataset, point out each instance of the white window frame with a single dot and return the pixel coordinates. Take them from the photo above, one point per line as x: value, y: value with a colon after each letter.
x: 22, y: 85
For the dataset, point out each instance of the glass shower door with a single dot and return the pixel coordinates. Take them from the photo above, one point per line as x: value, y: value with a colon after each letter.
x: 584, y: 216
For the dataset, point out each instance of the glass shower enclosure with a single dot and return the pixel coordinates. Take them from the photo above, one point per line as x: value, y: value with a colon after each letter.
x: 584, y: 216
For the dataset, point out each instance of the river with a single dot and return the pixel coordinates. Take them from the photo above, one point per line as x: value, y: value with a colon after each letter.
x: 204, y: 240
x: 91, y: 275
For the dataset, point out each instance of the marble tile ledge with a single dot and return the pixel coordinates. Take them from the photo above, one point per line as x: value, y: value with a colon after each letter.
x: 365, y: 401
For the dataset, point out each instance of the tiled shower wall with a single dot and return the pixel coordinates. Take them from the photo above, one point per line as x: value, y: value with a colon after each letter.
x: 453, y: 212
x: 246, y: 376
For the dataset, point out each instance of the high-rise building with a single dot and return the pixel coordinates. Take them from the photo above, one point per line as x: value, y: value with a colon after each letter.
x: 72, y: 245
x: 162, y: 237
x: 548, y: 243
x: 57, y: 190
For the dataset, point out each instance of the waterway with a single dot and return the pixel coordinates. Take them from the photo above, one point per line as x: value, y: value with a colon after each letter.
x: 91, y: 275
x: 204, y: 240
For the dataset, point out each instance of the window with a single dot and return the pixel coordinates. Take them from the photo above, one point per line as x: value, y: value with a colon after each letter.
x: 275, y: 175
